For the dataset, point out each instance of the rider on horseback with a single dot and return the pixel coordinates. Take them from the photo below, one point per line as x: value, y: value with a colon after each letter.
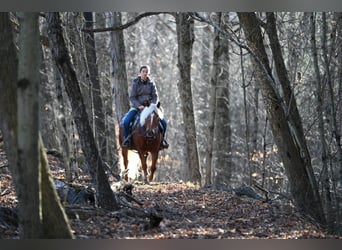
x: 143, y: 91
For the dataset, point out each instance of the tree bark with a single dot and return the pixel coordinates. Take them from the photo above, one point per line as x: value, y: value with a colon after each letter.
x: 104, y: 194
x: 185, y: 38
x: 8, y: 100
x: 10, y: 116
x: 291, y: 112
x: 28, y: 160
x: 320, y: 109
x: 219, y: 138
x: 302, y: 188
x: 55, y: 221
x: 120, y: 87
x: 91, y: 56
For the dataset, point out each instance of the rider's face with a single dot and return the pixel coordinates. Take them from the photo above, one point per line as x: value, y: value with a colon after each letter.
x: 143, y: 73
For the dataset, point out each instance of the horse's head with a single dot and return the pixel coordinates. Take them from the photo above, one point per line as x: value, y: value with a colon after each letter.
x: 149, y: 118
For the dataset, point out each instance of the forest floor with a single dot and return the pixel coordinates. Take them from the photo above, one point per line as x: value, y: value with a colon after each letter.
x: 188, y: 212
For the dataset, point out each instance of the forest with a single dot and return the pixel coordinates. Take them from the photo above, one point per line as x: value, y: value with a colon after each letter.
x: 253, y: 104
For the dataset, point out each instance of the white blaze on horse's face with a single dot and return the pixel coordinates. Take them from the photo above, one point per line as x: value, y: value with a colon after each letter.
x: 149, y: 110
x: 151, y: 120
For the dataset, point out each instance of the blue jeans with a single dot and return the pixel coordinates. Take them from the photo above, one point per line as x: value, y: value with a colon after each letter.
x: 164, y: 124
x: 130, y: 116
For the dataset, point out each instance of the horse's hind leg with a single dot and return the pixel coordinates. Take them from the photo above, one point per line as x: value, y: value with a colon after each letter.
x: 143, y: 165
x: 154, y: 165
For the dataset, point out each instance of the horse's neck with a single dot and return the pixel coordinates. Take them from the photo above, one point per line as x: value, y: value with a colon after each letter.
x: 145, y: 113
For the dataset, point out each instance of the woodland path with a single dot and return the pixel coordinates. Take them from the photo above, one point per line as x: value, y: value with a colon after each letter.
x: 188, y: 212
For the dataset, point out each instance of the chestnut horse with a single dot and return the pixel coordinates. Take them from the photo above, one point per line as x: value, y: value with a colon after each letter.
x: 146, y: 138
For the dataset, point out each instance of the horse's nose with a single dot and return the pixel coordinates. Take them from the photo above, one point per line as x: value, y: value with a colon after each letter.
x: 149, y: 133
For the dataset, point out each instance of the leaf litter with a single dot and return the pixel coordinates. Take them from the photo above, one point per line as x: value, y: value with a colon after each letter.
x: 188, y: 211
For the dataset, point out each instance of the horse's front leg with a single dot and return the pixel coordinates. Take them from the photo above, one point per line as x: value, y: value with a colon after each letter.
x: 154, y: 164
x: 143, y: 158
x: 125, y: 161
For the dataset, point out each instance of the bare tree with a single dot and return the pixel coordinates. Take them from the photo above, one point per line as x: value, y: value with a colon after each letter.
x: 99, y: 119
x: 185, y: 38
x: 120, y: 87
x: 303, y: 188
x: 40, y: 212
x: 60, y: 53
x: 219, y: 143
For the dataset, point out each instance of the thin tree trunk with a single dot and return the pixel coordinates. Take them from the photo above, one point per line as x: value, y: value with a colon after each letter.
x: 96, y: 88
x: 245, y: 107
x: 336, y: 131
x: 185, y: 38
x: 255, y: 126
x: 222, y: 160
x: 63, y: 120
x: 104, y: 193
x: 212, y: 103
x: 28, y: 154
x: 339, y: 81
x: 320, y: 104
x: 8, y: 89
x: 55, y: 221
x: 120, y: 88
x: 103, y: 57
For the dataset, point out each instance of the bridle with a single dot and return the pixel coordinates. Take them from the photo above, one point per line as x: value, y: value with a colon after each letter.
x: 151, y: 134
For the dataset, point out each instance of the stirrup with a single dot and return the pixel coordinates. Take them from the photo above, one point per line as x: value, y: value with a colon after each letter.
x: 126, y: 143
x: 164, y: 144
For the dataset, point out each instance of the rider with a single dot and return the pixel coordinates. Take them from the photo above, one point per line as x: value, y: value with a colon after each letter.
x: 143, y: 91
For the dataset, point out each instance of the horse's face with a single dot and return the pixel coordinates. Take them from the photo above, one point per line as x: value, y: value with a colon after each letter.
x: 151, y: 124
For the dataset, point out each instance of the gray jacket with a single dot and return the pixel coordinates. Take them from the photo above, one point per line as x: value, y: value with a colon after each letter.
x: 143, y: 91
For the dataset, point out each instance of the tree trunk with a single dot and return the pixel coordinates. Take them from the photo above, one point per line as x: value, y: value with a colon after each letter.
x: 219, y: 140
x: 302, y: 187
x: 103, y: 57
x: 120, y: 87
x: 291, y: 112
x: 10, y: 116
x: 185, y: 38
x: 212, y: 104
x: 320, y: 106
x: 55, y: 221
x: 8, y: 89
x: 248, y: 171
x: 28, y: 160
x: 100, y: 128
x: 332, y: 109
x: 339, y: 88
x: 59, y: 50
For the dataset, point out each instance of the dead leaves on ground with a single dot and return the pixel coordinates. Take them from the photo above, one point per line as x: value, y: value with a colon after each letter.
x: 188, y: 212
x: 191, y: 212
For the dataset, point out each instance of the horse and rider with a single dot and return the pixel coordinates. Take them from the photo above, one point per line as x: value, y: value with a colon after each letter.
x: 146, y: 136
x: 143, y: 92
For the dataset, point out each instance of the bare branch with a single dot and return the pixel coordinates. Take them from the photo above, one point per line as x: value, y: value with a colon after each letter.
x: 126, y: 25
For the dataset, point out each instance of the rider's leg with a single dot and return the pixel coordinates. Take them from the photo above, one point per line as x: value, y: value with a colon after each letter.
x: 129, y: 117
x: 164, y: 142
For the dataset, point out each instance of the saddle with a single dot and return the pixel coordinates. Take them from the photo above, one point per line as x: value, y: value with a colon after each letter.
x: 135, y: 122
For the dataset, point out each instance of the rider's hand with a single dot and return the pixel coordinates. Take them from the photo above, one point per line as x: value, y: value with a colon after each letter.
x: 141, y: 107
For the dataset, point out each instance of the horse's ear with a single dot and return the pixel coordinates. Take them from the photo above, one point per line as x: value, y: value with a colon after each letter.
x: 158, y: 105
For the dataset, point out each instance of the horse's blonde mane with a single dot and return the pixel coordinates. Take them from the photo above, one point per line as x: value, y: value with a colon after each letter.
x: 147, y: 111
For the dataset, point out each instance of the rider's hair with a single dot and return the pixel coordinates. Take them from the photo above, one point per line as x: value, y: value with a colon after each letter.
x: 144, y: 67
